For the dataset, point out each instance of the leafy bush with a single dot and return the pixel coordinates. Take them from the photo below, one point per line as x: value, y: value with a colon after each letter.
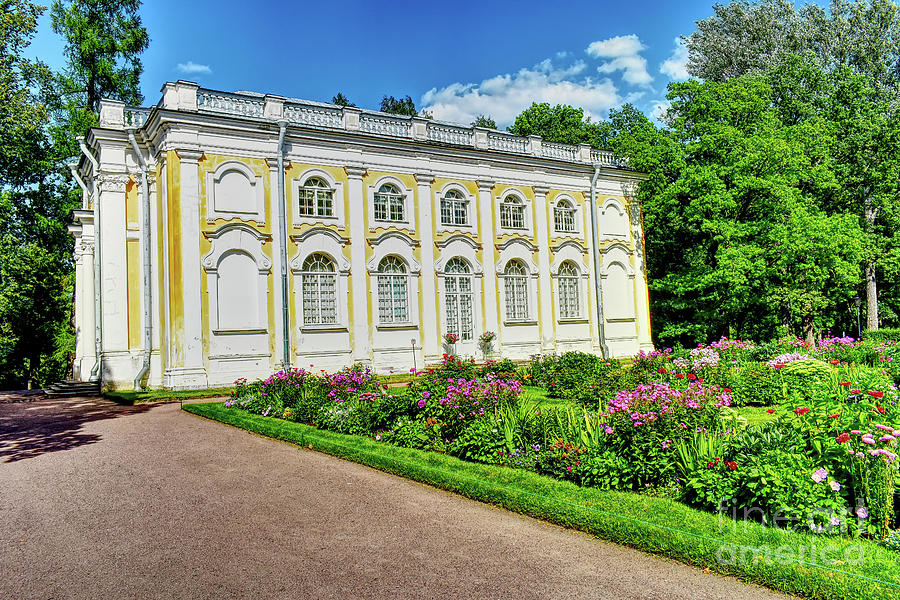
x: 882, y: 335
x: 755, y: 384
x: 481, y: 441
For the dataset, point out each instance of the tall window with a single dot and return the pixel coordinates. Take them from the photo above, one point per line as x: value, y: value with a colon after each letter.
x: 515, y: 283
x: 458, y: 298
x: 512, y: 213
x: 564, y: 216
x: 319, y: 284
x: 389, y: 203
x: 316, y: 199
x: 393, y: 294
x: 569, y: 305
x: 454, y: 209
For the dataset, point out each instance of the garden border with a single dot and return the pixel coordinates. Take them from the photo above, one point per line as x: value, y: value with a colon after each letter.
x: 588, y: 509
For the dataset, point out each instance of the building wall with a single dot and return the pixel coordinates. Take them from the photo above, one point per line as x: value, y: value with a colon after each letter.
x: 216, y: 272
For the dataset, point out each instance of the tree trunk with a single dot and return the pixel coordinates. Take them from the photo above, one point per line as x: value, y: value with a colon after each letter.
x: 871, y: 287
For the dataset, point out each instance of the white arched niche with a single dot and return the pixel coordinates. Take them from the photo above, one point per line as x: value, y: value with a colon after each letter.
x: 613, y: 220
x: 237, y: 280
x: 617, y: 276
x: 233, y: 190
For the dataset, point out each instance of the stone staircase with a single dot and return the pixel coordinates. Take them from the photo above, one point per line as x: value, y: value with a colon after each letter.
x: 70, y: 388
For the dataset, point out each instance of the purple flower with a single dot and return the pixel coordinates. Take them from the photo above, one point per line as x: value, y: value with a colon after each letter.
x: 426, y: 395
x: 820, y: 475
x: 862, y: 513
x: 422, y: 403
x: 834, y: 485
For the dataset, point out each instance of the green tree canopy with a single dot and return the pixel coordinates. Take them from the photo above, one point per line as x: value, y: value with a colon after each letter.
x: 561, y: 124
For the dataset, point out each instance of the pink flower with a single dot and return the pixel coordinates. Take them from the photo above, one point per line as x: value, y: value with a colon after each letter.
x: 820, y: 475
x: 834, y: 485
x: 422, y: 403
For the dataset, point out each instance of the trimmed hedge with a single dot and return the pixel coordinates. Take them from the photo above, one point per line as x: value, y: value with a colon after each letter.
x: 656, y: 525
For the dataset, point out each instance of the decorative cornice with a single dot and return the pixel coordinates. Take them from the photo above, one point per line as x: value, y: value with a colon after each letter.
x: 314, y: 231
x: 259, y: 235
x: 393, y: 234
x: 576, y: 245
x: 516, y: 240
x: 458, y: 237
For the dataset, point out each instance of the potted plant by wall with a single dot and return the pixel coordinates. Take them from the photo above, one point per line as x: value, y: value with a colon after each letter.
x: 486, y: 344
x: 450, y: 340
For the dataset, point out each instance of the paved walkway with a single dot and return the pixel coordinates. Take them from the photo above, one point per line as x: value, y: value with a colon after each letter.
x: 104, y: 501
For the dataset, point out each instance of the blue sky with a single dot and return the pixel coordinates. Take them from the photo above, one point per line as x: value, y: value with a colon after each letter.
x: 456, y: 59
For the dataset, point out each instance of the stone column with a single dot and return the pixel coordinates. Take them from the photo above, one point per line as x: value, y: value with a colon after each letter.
x: 189, y: 371
x: 114, y: 279
x: 486, y: 210
x: 541, y: 232
x: 430, y: 342
x: 359, y: 321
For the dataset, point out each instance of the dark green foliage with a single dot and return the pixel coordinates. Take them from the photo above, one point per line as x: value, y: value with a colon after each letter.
x: 882, y: 335
x: 482, y: 441
x: 484, y: 121
x: 341, y: 100
x: 755, y: 384
x: 403, y: 106
x: 561, y: 124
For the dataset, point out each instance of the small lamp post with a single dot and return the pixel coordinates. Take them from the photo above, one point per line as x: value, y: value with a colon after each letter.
x: 413, y: 342
x: 858, y: 302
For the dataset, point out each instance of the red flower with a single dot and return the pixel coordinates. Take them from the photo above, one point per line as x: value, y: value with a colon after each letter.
x: 661, y: 370
x: 691, y: 376
x: 679, y: 375
x: 835, y: 362
x: 834, y: 416
x: 855, y: 391
x: 770, y: 410
x: 726, y: 390
x: 778, y: 366
x: 699, y: 380
x: 801, y: 411
x: 843, y: 438
x: 710, y: 465
x: 731, y: 465
x: 880, y: 409
x: 844, y: 383
x: 876, y: 395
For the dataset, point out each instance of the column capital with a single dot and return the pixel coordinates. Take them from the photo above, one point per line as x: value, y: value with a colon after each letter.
x: 423, y: 178
x: 355, y: 172
x: 485, y: 185
x: 113, y: 182
x: 186, y: 155
x: 540, y: 190
x: 273, y: 163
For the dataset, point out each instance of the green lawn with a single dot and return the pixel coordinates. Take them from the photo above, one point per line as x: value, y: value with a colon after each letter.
x: 778, y: 558
x: 143, y: 396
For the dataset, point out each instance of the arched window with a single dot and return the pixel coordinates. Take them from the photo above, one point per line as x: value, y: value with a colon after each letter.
x: 458, y: 298
x: 564, y: 217
x: 515, y: 285
x: 319, y: 282
x: 389, y: 204
x: 316, y: 198
x: 512, y: 213
x: 454, y: 209
x: 393, y: 292
x: 569, y: 302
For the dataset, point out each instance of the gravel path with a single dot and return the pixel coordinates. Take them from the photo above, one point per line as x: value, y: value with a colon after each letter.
x: 105, y: 501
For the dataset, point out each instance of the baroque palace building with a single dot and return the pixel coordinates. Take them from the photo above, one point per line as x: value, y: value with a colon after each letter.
x: 226, y: 235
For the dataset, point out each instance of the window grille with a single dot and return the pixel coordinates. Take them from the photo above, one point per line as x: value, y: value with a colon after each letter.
x: 512, y: 213
x: 389, y: 204
x: 393, y: 298
x: 316, y: 199
x: 564, y: 217
x: 569, y: 304
x: 458, y: 299
x: 454, y: 209
x: 514, y: 283
x: 319, y: 285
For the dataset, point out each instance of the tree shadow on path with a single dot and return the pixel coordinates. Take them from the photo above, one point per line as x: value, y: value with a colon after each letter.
x: 29, y: 429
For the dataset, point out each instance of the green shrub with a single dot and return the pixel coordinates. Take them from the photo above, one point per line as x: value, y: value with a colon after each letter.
x: 482, y: 441
x: 755, y: 384
x: 882, y: 335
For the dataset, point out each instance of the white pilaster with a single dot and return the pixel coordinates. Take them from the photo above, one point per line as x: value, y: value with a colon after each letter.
x: 276, y: 260
x: 486, y: 210
x: 543, y: 243
x: 641, y: 300
x: 430, y: 337
x: 190, y: 372
x: 592, y: 288
x: 360, y: 297
x: 156, y: 335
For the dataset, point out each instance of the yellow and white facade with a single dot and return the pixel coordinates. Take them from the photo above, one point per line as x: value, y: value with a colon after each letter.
x: 228, y: 235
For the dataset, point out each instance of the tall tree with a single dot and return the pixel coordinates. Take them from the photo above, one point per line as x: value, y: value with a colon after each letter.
x: 341, y: 100
x: 104, y: 41
x: 484, y: 121
x: 562, y: 124
x: 403, y: 106
x: 856, y: 41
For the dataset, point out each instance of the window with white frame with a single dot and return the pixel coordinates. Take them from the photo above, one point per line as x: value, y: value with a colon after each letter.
x: 564, y: 217
x: 458, y: 299
x: 316, y: 198
x: 567, y: 286
x: 454, y: 209
x: 319, y: 285
x: 512, y: 213
x: 515, y: 284
x: 393, y: 291
x: 389, y: 204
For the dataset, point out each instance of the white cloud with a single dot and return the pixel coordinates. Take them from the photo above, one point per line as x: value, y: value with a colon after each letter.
x: 676, y: 65
x: 624, y: 54
x: 503, y: 97
x: 658, y: 109
x: 192, y: 68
